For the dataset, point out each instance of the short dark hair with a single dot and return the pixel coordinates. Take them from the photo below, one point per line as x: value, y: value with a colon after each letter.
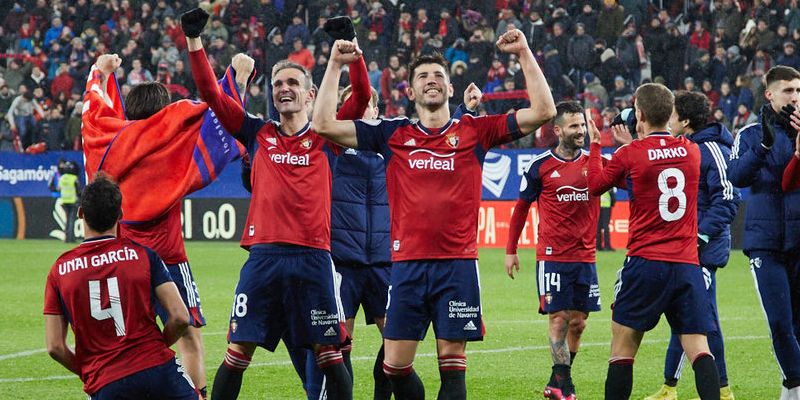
x: 101, y: 202
x: 566, y: 107
x: 781, y: 73
x: 693, y: 106
x: 433, y: 58
x: 655, y: 102
x: 286, y: 64
x: 146, y: 99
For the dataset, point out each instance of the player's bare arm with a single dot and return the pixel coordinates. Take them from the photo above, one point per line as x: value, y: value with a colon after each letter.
x: 55, y: 327
x: 243, y: 65
x: 178, y: 320
x: 324, y: 120
x: 542, y: 108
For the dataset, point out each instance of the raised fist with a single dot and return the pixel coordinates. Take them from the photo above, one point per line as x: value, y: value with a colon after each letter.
x: 108, y: 63
x: 472, y: 97
x: 512, y: 42
x: 344, y: 52
x: 193, y: 22
x: 243, y: 65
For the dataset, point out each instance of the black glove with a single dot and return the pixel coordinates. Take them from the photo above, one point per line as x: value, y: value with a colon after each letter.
x: 785, y: 120
x: 768, y: 117
x: 340, y: 28
x: 193, y: 22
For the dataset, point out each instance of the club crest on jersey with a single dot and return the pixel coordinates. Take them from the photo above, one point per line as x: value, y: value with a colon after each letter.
x: 452, y: 140
x: 548, y: 298
x: 306, y: 143
x: 585, y: 172
x: 234, y: 325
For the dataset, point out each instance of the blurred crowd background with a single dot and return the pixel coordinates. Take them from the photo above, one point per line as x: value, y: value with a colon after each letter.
x: 595, y: 52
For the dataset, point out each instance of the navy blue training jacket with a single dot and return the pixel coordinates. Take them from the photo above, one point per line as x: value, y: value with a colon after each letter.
x: 717, y: 199
x: 772, y: 220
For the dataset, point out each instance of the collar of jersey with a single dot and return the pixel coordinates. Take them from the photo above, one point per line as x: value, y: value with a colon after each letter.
x: 427, y: 131
x: 559, y: 158
x: 659, y: 134
x: 99, y: 239
x: 299, y: 133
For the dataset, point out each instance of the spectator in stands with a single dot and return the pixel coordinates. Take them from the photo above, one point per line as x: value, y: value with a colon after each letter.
x: 765, y: 39
x: 182, y: 78
x: 621, y: 91
x: 655, y: 43
x: 390, y: 77
x: 63, y: 82
x: 256, y: 102
x: 72, y: 133
x: 610, y: 67
x: 610, y: 22
x: 559, y: 40
x: 689, y: 84
x: 373, y: 49
x: 166, y: 53
x: 759, y: 66
x: 595, y: 95
x: 536, y: 32
x: 743, y: 118
x: 296, y: 30
x: 727, y: 101
x: 216, y: 30
x: 700, y: 69
x: 138, y: 74
x: 627, y: 49
x: 713, y: 96
x: 789, y: 57
x: 458, y: 76
x: 448, y: 27
x: 276, y: 50
x: 580, y: 50
x: 730, y: 18
x: 457, y: 52
x: 301, y: 55
x: 20, y: 117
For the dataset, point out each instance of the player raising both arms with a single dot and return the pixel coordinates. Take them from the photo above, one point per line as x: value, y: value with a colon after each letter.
x: 106, y: 289
x: 661, y: 273
x: 286, y: 287
x: 434, y: 186
x: 566, y: 271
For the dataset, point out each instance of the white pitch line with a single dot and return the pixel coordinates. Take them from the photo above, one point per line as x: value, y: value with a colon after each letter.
x: 22, y: 354
x: 372, y: 358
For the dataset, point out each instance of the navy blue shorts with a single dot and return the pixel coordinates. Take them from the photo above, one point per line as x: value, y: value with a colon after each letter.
x: 445, y: 292
x: 286, y: 291
x: 167, y: 381
x: 567, y: 286
x: 182, y: 276
x: 366, y: 286
x: 645, y: 289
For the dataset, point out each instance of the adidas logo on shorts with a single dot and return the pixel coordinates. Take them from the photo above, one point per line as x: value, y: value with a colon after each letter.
x: 470, y: 326
x: 330, y: 332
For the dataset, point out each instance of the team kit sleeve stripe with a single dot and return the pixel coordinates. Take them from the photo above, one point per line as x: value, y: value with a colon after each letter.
x: 722, y: 168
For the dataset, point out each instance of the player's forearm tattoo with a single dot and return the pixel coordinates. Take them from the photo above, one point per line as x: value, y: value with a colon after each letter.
x: 559, y: 349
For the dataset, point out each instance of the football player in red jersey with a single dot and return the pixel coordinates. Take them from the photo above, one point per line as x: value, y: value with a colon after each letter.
x: 286, y: 288
x: 106, y: 289
x: 565, y: 252
x: 662, y: 174
x: 434, y: 186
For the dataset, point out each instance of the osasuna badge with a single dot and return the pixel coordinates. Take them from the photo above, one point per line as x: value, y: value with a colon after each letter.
x: 306, y: 143
x: 452, y: 140
x: 234, y: 325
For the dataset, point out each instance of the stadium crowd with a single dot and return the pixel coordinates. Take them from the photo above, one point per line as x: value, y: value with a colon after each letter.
x: 596, y: 52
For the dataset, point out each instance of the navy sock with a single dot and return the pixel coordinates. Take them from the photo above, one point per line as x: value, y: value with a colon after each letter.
x: 619, y: 380
x: 706, y: 377
x: 383, y: 388
x: 406, y: 385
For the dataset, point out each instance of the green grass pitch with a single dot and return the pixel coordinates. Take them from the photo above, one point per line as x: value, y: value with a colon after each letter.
x: 511, y: 363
